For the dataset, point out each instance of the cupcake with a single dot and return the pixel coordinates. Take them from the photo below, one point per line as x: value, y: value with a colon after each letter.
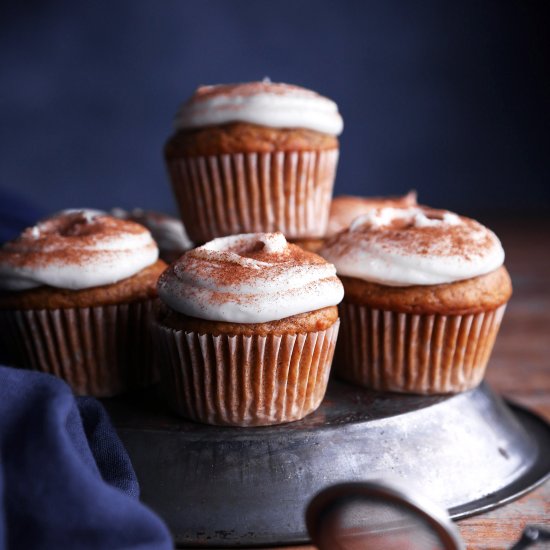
x: 247, y: 330
x: 168, y: 232
x: 345, y: 208
x: 254, y: 157
x: 76, y: 298
x: 425, y: 292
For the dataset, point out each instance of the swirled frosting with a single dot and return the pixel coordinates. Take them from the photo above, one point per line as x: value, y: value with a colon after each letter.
x: 76, y: 250
x: 345, y: 208
x: 249, y: 278
x: 414, y: 246
x: 263, y: 103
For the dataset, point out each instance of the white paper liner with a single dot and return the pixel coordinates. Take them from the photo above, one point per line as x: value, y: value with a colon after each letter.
x: 100, y: 351
x: 245, y: 380
x: 425, y: 354
x: 228, y: 194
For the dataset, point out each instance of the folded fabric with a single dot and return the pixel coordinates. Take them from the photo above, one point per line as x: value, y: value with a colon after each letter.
x: 66, y: 481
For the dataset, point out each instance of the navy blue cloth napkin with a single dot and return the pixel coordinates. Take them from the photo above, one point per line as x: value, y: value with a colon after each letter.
x: 66, y: 481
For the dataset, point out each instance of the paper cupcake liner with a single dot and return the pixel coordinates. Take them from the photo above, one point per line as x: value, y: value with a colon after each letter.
x: 245, y: 380
x: 426, y: 354
x: 255, y: 192
x: 100, y: 351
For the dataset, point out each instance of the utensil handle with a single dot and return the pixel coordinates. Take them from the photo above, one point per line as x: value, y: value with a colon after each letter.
x: 531, y: 535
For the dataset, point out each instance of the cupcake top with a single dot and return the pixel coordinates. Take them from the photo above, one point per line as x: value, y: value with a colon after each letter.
x: 414, y: 246
x: 264, y: 103
x: 249, y: 278
x: 168, y: 232
x: 76, y: 250
x: 345, y: 208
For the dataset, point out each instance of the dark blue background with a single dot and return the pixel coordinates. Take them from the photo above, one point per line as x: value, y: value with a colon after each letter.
x: 450, y: 98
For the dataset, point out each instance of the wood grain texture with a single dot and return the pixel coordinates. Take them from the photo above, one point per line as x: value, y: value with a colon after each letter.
x: 520, y: 370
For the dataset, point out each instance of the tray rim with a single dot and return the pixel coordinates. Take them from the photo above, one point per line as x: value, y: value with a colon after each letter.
x: 535, y: 476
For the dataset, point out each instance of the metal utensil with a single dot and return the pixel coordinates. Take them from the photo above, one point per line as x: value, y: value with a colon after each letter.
x: 388, y: 515
x: 379, y: 515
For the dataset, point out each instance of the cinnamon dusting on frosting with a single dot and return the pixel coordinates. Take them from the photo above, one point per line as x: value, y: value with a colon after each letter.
x: 249, y: 261
x: 248, y: 89
x: 414, y: 246
x: 345, y: 208
x: 74, y: 250
x: 249, y: 278
x: 426, y: 231
x: 56, y: 235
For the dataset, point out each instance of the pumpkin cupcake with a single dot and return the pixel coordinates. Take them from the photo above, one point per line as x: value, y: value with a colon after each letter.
x: 254, y: 157
x: 345, y: 208
x: 76, y: 298
x: 425, y: 292
x: 247, y: 331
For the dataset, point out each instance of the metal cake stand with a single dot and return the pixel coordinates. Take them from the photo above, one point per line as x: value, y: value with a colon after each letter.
x: 219, y: 486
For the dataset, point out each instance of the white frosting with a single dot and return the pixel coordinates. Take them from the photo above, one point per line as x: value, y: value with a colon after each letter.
x: 262, y: 103
x: 414, y: 246
x: 414, y: 217
x: 345, y: 208
x: 220, y: 281
x: 168, y: 232
x: 76, y: 250
x: 88, y: 212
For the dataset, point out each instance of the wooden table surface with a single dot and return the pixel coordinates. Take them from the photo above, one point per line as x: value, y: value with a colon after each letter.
x: 520, y: 370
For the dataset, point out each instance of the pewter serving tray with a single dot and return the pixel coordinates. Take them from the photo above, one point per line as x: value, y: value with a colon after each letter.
x: 219, y: 486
